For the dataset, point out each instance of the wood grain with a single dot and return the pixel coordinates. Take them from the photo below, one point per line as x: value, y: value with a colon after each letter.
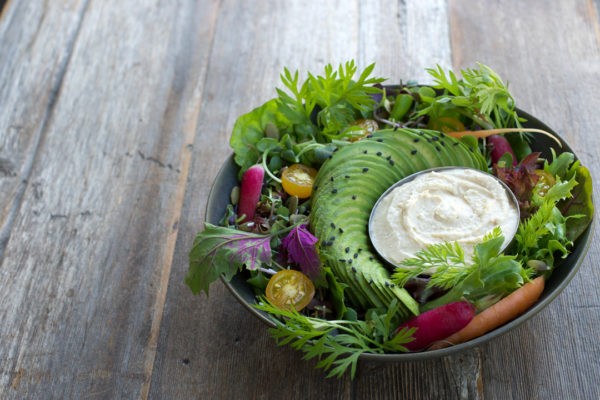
x: 84, y: 273
x: 556, y: 80
x: 194, y: 327
x: 115, y: 121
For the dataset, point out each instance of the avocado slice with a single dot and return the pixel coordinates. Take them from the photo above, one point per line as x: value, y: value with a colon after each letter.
x: 346, y: 188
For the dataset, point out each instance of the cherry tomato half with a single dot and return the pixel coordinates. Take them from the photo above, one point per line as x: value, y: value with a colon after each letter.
x: 290, y: 288
x: 298, y: 180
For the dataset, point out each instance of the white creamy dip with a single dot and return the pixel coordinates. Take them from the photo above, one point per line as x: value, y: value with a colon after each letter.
x: 448, y: 205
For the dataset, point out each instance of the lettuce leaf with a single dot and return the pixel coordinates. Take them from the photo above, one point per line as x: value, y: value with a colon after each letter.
x: 224, y: 251
x: 580, y: 207
x: 250, y: 128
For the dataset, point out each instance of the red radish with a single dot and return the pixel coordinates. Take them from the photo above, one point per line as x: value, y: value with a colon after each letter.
x: 439, y: 323
x: 500, y: 146
x: 251, y: 187
x: 498, y: 314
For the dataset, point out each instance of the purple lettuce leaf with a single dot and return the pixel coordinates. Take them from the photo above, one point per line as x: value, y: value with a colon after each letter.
x: 299, y: 246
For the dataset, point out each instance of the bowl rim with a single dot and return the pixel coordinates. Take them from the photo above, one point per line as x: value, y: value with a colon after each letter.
x: 224, y: 179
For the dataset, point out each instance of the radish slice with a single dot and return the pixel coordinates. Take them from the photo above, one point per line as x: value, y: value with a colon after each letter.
x: 500, y: 146
x: 438, y: 324
x: 250, y: 190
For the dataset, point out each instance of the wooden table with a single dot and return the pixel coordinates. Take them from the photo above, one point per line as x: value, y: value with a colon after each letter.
x: 114, y: 120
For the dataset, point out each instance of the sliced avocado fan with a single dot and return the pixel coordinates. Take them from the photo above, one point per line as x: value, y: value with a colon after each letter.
x: 346, y: 189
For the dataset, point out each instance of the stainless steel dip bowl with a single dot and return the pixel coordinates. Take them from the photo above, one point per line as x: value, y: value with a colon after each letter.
x: 441, y: 170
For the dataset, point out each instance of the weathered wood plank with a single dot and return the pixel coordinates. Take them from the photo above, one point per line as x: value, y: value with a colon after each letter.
x: 550, y: 54
x: 47, y: 37
x: 115, y: 119
x: 84, y: 274
x: 208, y: 343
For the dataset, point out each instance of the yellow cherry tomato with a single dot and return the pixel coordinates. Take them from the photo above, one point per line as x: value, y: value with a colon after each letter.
x: 290, y: 288
x: 446, y: 124
x: 365, y: 127
x: 298, y: 179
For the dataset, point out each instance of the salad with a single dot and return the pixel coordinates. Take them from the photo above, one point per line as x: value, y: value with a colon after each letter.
x: 313, y: 162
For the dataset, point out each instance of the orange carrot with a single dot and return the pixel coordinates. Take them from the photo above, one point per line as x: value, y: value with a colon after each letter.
x: 496, y: 315
x: 489, y: 132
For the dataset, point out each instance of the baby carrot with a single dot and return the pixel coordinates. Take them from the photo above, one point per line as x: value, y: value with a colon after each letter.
x: 489, y: 132
x: 496, y: 315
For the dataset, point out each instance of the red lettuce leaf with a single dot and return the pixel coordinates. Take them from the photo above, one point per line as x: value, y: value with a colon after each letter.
x: 521, y: 179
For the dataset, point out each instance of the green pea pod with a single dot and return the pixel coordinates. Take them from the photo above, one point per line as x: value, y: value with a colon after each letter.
x: 289, y: 156
x: 426, y: 93
x: 287, y: 142
x: 401, y: 106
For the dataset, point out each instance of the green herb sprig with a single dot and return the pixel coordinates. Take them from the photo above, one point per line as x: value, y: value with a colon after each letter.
x: 480, y: 95
x: 338, y: 343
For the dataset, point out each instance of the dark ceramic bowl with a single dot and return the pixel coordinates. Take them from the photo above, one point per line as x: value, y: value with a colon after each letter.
x: 564, y: 272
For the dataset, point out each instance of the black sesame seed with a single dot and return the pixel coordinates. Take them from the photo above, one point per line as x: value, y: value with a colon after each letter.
x: 331, y: 179
x: 435, y: 138
x: 378, y: 153
x: 347, y: 176
x: 359, y: 250
x: 333, y: 191
x: 369, y: 136
x: 392, y: 162
x: 340, y: 230
x: 364, y: 152
x: 349, y: 261
x: 353, y: 197
x: 416, y: 140
x: 342, y: 260
x: 331, y: 239
x: 455, y: 143
x: 347, y: 249
x: 388, y: 158
x: 371, y: 282
x: 371, y: 258
x: 438, y: 148
x: 336, y: 149
x: 365, y: 169
x: 355, y: 255
x: 353, y: 269
x: 332, y: 225
x: 413, y: 152
x: 443, y: 143
x: 380, y: 140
